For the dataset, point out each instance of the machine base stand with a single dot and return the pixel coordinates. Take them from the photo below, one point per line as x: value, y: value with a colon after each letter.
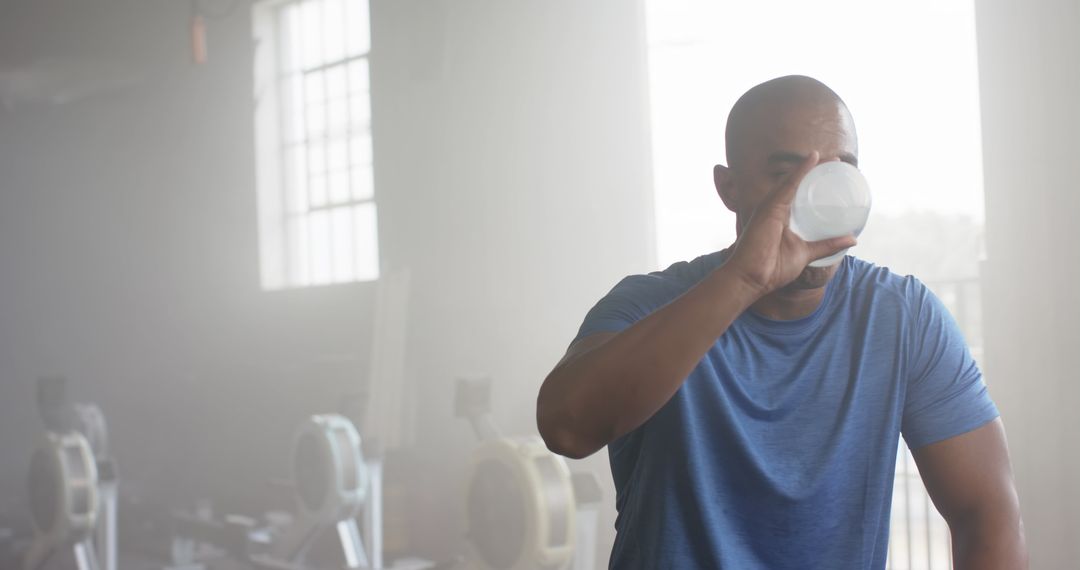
x: 82, y: 555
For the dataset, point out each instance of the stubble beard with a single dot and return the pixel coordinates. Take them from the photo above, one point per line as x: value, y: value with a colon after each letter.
x: 810, y: 278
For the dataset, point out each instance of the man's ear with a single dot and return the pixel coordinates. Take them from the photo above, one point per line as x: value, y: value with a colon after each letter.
x: 724, y: 179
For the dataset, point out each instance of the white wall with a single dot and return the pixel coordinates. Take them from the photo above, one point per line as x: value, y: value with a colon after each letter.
x: 513, y: 179
x: 513, y: 170
x: 1029, y: 56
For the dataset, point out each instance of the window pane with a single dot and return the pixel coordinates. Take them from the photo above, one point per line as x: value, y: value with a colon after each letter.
x: 367, y: 240
x: 308, y: 43
x: 317, y: 190
x: 315, y: 86
x: 358, y: 28
x: 335, y: 82
x: 316, y: 121
x: 291, y: 110
x: 319, y: 250
x: 363, y: 184
x: 358, y: 76
x: 337, y: 159
x: 288, y: 36
x: 333, y: 31
x: 296, y: 173
x: 342, y: 220
x: 337, y: 120
x: 360, y: 111
x: 339, y: 186
x: 316, y: 157
x: 297, y: 247
x: 360, y: 150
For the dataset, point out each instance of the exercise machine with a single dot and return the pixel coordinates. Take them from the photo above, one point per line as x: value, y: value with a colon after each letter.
x: 72, y: 483
x: 91, y: 424
x: 64, y: 502
x: 337, y: 522
x: 332, y: 483
x: 525, y: 509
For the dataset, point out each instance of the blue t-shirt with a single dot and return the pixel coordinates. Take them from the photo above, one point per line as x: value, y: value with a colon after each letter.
x: 778, y: 451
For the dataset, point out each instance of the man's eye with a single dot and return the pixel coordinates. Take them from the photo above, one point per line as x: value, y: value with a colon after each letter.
x: 779, y: 174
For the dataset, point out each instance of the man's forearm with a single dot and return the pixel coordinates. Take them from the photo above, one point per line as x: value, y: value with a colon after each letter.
x: 594, y: 397
x: 989, y: 543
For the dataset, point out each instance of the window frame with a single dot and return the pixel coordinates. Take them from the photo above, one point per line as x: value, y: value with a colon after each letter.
x: 287, y: 182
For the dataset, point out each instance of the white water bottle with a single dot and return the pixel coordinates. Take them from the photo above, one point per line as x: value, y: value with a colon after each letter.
x: 833, y: 200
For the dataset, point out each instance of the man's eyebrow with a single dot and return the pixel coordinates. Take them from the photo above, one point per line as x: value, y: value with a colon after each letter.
x: 782, y: 157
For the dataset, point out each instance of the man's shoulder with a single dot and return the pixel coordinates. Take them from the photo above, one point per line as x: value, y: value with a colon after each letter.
x: 880, y: 282
x: 674, y: 280
x: 635, y: 296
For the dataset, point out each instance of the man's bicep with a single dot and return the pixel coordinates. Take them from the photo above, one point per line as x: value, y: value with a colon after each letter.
x: 969, y: 474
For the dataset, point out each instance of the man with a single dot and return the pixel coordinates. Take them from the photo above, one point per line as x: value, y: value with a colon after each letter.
x: 752, y: 405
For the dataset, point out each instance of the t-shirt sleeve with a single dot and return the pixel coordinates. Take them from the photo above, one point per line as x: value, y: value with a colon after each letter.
x: 631, y: 300
x: 623, y: 306
x: 946, y: 394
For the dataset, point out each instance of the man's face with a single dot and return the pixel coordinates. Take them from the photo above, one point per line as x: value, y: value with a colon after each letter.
x: 782, y: 138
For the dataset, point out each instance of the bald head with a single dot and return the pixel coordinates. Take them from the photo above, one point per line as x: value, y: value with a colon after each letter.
x: 767, y: 109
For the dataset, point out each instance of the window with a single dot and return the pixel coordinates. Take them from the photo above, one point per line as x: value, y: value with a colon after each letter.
x: 916, y: 108
x: 315, y: 176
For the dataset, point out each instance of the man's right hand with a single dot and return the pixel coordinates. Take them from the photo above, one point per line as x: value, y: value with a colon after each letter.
x: 767, y: 254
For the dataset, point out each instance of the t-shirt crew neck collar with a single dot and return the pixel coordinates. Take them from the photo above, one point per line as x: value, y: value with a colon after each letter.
x: 768, y: 325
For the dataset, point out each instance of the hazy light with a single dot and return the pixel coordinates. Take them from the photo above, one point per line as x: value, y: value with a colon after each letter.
x: 907, y: 71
